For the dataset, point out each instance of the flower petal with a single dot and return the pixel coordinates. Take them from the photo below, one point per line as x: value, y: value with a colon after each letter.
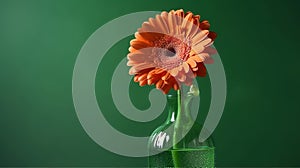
x: 143, y: 82
x: 185, y: 67
x: 153, y: 80
x: 174, y: 71
x: 201, y: 70
x: 210, y: 50
x: 138, y: 44
x: 172, y: 24
x: 162, y: 24
x: 166, y: 76
x: 204, y: 25
x: 135, y: 79
x: 143, y: 77
x: 212, y: 35
x: 139, y: 67
x: 204, y: 42
x: 209, y: 61
x: 164, y: 18
x: 151, y: 74
x: 200, y: 36
x: 191, y: 62
x: 147, y: 27
x: 175, y: 86
x: 159, y: 84
x: 166, y: 88
x: 131, y: 63
x: 187, y: 24
x: 179, y: 12
x: 136, y: 56
x: 203, y: 56
x: 198, y: 48
x: 197, y: 58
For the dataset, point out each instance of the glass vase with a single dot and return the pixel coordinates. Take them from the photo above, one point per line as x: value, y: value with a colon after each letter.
x: 176, y: 143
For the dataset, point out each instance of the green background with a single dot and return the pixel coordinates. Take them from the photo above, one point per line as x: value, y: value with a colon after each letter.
x: 39, y: 41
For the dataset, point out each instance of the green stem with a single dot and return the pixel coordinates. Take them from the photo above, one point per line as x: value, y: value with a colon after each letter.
x: 177, y: 123
x: 176, y: 132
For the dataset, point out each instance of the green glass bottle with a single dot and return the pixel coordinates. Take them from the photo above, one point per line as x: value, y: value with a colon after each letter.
x: 176, y: 142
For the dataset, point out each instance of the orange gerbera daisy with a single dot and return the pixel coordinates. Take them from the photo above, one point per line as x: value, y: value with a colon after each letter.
x: 170, y: 50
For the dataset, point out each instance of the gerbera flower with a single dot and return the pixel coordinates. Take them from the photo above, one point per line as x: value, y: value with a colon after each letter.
x: 170, y: 50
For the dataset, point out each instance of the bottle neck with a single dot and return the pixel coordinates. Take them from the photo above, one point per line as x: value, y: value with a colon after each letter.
x: 180, y: 116
x: 172, y: 103
x: 178, y: 107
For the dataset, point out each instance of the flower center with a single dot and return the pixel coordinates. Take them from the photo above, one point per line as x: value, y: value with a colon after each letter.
x: 170, y: 52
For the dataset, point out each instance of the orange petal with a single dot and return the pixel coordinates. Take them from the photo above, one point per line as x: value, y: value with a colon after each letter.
x: 160, y: 71
x: 172, y: 11
x: 131, y: 49
x: 174, y: 71
x: 194, y: 30
x: 209, y: 61
x: 209, y: 44
x: 185, y: 67
x: 147, y: 27
x: 212, y: 35
x: 140, y: 67
x: 203, y: 56
x: 143, y: 77
x: 172, y: 23
x: 200, y: 36
x: 201, y: 70
x: 204, y: 25
x: 166, y: 76
x: 151, y: 74
x: 198, y: 48
x: 205, y: 42
x: 210, y: 50
x: 170, y: 80
x: 150, y: 36
x: 135, y: 55
x: 139, y: 37
x: 197, y: 58
x: 166, y: 88
x: 179, y: 68
x: 175, y: 86
x: 188, y: 22
x: 131, y: 63
x: 159, y: 84
x: 191, y: 62
x: 164, y: 17
x: 136, y: 77
x: 180, y: 12
x: 189, y: 16
x: 137, y: 44
x: 162, y: 24
x: 143, y: 82
x: 153, y: 80
x: 196, y: 17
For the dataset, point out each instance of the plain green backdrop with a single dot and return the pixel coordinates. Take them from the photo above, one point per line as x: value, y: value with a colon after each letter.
x: 39, y: 41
